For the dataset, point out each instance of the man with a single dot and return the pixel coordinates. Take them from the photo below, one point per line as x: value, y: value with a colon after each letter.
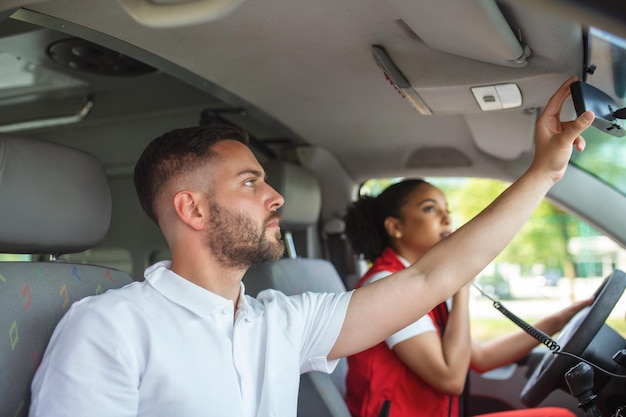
x: 188, y: 342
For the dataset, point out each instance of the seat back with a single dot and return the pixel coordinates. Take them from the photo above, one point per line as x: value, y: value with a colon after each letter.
x: 54, y: 200
x: 320, y: 394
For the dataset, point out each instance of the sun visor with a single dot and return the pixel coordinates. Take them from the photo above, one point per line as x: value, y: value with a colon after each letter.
x: 471, y: 28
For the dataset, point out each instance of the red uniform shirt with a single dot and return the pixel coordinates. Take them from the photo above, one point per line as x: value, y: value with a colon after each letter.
x: 377, y: 375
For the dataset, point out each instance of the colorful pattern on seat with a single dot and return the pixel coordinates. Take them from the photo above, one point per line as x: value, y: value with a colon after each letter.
x: 33, y: 298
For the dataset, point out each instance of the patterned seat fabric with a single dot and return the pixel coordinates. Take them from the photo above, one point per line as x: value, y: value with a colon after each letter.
x: 54, y: 200
x: 34, y: 297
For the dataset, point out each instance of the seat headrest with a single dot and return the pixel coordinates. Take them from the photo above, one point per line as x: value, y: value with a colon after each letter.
x: 301, y: 190
x: 53, y: 199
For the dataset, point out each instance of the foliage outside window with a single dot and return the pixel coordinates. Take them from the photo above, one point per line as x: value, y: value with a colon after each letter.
x: 554, y: 258
x: 545, y: 243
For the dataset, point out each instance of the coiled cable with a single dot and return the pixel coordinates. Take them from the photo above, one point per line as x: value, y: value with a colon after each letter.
x: 531, y: 330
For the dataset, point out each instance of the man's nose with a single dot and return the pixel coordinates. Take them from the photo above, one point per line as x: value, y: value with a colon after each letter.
x: 276, y: 200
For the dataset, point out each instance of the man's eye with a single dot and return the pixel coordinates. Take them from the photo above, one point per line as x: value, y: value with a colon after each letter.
x: 249, y: 183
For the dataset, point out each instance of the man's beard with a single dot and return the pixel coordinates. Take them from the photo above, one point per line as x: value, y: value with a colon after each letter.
x: 237, y: 242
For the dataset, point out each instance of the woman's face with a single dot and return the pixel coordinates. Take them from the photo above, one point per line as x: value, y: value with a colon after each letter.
x: 424, y: 221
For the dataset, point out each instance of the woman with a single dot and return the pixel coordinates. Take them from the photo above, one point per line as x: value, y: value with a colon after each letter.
x: 421, y: 370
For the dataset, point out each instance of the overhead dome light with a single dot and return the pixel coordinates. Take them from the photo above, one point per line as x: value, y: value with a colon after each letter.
x: 498, y: 97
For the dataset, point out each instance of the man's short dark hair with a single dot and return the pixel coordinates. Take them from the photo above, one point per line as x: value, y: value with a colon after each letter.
x: 174, y: 153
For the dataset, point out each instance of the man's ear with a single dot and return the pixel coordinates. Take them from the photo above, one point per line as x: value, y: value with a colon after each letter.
x: 392, y: 226
x: 187, y: 207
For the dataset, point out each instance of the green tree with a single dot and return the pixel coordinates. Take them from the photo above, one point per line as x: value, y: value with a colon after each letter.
x: 542, y: 240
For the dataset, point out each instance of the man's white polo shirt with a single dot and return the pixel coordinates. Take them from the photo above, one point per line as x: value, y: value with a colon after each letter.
x: 167, y: 347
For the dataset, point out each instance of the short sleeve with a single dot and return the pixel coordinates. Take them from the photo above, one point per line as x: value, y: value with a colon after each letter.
x: 422, y: 325
x: 312, y: 319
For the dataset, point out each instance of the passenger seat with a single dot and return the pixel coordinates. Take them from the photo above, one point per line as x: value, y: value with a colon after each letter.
x: 321, y: 395
x: 54, y: 200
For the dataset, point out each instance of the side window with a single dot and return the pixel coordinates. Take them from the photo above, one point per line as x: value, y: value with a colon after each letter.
x: 111, y: 257
x: 116, y: 258
x: 554, y: 259
x: 9, y: 257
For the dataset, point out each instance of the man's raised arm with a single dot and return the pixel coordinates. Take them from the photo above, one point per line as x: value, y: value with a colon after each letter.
x: 381, y: 308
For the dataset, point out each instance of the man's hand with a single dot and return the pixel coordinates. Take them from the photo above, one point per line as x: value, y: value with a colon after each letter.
x: 554, y: 139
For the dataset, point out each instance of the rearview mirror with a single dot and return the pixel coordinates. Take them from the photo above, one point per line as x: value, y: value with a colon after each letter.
x: 607, y: 112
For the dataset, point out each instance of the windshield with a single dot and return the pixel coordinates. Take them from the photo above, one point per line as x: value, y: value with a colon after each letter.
x: 604, y: 155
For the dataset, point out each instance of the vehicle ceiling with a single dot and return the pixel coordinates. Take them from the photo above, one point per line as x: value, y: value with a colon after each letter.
x: 301, y: 77
x: 310, y: 66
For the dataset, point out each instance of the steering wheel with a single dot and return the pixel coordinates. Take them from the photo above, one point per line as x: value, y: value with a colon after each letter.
x: 574, y: 338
